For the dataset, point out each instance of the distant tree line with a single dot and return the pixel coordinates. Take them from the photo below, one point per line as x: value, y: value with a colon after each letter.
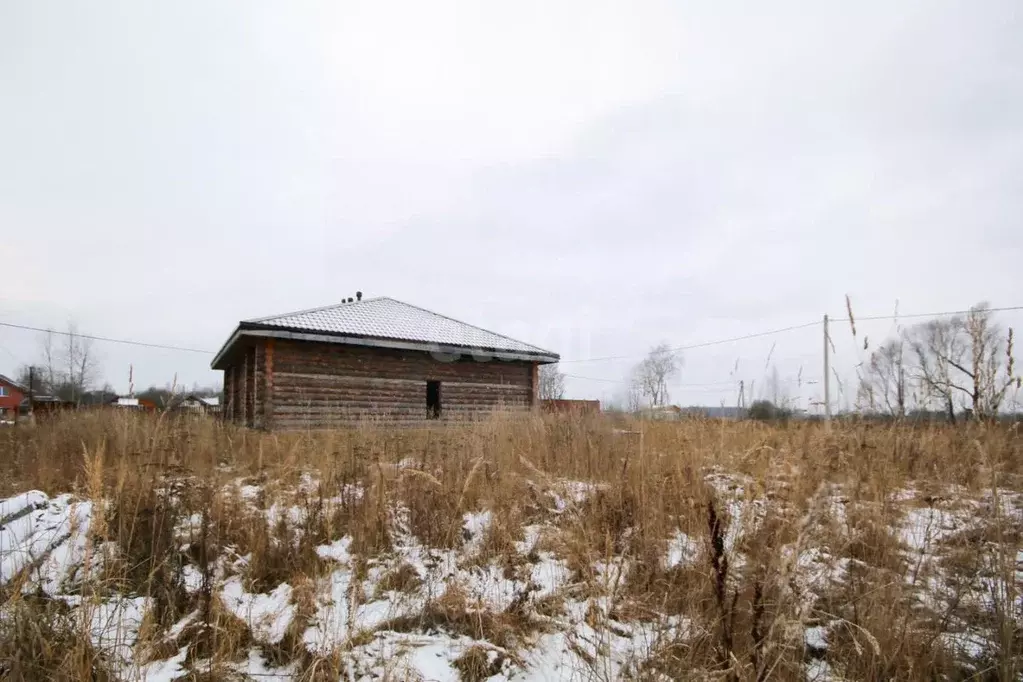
x: 69, y: 369
x: 951, y: 369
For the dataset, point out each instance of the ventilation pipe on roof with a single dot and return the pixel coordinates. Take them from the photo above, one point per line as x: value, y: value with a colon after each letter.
x: 358, y: 295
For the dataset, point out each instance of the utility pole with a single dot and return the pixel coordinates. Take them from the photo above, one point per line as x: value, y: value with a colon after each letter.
x: 31, y: 387
x: 827, y: 373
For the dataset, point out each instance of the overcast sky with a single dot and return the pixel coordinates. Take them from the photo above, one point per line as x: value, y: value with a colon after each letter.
x: 588, y: 176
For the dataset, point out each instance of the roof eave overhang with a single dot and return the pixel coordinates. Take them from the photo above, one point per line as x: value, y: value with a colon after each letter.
x: 13, y: 383
x: 441, y: 351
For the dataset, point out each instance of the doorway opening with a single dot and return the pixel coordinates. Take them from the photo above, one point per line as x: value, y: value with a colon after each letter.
x: 433, y: 400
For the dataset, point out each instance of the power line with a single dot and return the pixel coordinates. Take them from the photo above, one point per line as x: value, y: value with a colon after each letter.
x: 694, y: 346
x: 105, y: 338
x: 712, y: 385
x: 696, y: 385
x: 898, y: 316
x: 771, y: 332
x: 208, y: 352
x: 707, y: 343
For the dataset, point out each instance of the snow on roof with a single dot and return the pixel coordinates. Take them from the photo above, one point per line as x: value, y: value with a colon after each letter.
x: 127, y: 402
x: 388, y: 319
x: 209, y: 402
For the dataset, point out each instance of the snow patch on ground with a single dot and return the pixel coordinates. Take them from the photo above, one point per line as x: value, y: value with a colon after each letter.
x: 165, y: 670
x: 249, y: 493
x: 816, y: 638
x: 682, y: 550
x: 115, y: 628
x: 337, y: 550
x: 189, y: 528
x: 582, y: 641
x: 548, y: 575
x: 331, y: 626
x: 401, y: 656
x: 192, y: 578
x: 50, y: 540
x: 923, y: 527
x: 267, y: 615
x: 745, y: 511
x: 475, y: 524
x: 571, y: 493
x: 15, y: 507
x: 255, y: 667
x: 610, y: 575
x: 818, y: 670
x: 531, y: 535
x: 113, y: 625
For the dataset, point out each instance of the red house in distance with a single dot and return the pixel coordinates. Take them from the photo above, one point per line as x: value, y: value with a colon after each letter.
x: 11, y: 395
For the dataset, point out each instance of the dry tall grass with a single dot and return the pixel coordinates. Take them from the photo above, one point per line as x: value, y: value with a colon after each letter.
x: 797, y: 531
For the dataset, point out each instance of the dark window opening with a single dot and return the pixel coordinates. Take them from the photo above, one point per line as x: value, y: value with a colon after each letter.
x: 432, y: 399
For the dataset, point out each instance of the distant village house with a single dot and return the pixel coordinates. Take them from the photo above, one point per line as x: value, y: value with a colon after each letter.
x: 200, y: 404
x: 133, y: 404
x: 11, y: 396
x: 561, y: 406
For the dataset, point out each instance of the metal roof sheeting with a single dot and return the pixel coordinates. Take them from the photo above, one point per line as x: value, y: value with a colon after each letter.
x: 387, y: 318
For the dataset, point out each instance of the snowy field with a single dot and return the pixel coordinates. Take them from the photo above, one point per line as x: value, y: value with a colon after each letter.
x: 520, y: 603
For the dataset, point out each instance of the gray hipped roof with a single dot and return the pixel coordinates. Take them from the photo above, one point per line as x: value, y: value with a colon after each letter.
x: 386, y: 322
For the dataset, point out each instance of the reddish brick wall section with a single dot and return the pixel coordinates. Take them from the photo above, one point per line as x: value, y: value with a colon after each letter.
x: 571, y: 406
x: 11, y: 400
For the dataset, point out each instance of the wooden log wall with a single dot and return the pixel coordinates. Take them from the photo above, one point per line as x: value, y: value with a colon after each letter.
x: 258, y: 384
x: 238, y: 412
x: 249, y: 386
x: 245, y: 388
x: 268, y: 381
x: 228, y: 405
x: 320, y: 385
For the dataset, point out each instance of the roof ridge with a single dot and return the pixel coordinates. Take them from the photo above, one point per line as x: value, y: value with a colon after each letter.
x: 12, y: 382
x: 426, y: 325
x: 314, y: 310
x: 488, y: 331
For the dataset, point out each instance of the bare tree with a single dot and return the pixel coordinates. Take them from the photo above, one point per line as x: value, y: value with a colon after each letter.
x: 79, y: 361
x: 884, y: 382
x: 968, y: 357
x: 552, y: 383
x: 775, y: 388
x: 651, y: 376
x: 625, y: 399
x: 49, y: 358
x: 33, y: 378
x: 69, y: 366
x: 937, y: 348
x: 633, y: 397
x: 989, y: 379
